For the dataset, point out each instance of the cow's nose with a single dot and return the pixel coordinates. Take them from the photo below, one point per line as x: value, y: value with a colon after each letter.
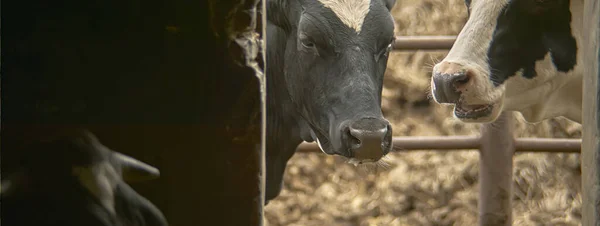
x: 369, y: 139
x: 448, y: 81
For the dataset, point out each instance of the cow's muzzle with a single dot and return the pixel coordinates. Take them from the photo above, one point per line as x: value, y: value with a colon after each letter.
x: 366, y: 139
x: 448, y: 82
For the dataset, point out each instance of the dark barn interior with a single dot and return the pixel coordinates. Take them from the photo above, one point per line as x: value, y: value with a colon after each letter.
x: 167, y: 82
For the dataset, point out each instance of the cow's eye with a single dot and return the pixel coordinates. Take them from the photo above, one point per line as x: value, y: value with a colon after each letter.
x: 388, y: 48
x: 308, y: 44
x: 384, y: 52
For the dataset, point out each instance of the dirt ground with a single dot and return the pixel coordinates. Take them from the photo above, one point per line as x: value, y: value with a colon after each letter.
x: 426, y: 187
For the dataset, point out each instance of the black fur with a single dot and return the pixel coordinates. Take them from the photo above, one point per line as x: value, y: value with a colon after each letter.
x: 526, y: 31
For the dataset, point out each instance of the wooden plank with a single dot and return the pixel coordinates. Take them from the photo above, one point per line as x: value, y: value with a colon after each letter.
x: 590, y: 156
x: 495, y: 172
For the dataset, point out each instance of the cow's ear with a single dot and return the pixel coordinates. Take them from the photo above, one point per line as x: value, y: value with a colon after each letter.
x: 135, y: 170
x: 277, y: 13
x: 389, y: 4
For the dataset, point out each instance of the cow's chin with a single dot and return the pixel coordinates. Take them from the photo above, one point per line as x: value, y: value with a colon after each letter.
x: 323, y: 143
x: 320, y: 146
x: 477, y: 113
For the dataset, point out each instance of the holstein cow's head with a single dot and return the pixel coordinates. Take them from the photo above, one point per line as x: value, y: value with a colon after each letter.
x: 506, y: 57
x: 334, y: 57
x: 75, y: 180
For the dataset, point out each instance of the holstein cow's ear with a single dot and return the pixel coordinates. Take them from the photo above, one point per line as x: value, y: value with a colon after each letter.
x: 277, y: 13
x: 389, y: 4
x: 135, y: 170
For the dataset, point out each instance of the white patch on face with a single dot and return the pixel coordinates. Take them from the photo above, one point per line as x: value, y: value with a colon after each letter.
x: 475, y: 37
x: 351, y: 12
x: 101, y: 181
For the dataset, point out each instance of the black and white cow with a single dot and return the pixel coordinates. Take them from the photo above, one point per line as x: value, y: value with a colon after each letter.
x: 514, y: 55
x: 75, y: 180
x: 325, y: 65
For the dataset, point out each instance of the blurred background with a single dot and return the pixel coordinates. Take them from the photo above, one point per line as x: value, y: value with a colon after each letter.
x: 427, y: 187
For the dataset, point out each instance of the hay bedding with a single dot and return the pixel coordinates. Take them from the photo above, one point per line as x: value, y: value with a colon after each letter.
x: 426, y: 187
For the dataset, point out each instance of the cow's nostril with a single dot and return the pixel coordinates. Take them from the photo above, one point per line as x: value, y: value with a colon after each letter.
x: 459, y: 79
x: 353, y: 141
x: 449, y: 81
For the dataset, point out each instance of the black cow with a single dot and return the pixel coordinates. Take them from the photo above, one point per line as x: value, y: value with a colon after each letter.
x: 325, y: 65
x: 75, y: 180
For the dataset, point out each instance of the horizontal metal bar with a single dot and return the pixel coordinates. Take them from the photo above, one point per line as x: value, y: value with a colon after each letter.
x: 469, y: 142
x: 548, y: 145
x: 423, y: 42
x: 437, y: 142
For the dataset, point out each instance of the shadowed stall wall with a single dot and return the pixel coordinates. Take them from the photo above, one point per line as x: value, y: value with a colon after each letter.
x: 173, y: 83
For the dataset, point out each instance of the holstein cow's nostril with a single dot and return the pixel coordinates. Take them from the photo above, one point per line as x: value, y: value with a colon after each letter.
x: 459, y: 79
x: 370, y: 138
x: 449, y: 79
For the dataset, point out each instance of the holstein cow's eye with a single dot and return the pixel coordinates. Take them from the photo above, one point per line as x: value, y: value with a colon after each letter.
x: 306, y: 44
x: 384, y: 52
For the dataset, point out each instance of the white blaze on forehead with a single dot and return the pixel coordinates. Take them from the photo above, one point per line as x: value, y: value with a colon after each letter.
x: 351, y: 12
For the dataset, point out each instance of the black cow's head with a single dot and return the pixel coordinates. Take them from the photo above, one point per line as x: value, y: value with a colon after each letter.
x: 75, y: 180
x: 505, y: 56
x: 334, y: 55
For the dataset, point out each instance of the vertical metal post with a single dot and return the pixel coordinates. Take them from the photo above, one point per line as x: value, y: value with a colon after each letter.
x: 590, y: 151
x: 263, y: 110
x: 495, y: 172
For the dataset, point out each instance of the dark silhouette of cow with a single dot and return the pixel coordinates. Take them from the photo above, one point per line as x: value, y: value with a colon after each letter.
x: 72, y: 179
x: 325, y: 65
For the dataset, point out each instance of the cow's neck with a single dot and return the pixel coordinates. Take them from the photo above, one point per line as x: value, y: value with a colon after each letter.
x: 560, y: 96
x: 283, y: 130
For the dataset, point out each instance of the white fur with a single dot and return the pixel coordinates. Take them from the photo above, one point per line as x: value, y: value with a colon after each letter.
x: 550, y: 94
x: 351, y: 12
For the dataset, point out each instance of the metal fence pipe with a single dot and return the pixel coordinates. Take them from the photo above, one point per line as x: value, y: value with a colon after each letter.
x: 450, y: 143
x: 435, y: 142
x: 496, y: 171
x: 548, y: 145
x: 413, y: 43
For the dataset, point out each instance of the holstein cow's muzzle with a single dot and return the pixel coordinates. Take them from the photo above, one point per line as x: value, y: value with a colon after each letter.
x: 366, y: 139
x: 448, y: 81
x: 454, y: 83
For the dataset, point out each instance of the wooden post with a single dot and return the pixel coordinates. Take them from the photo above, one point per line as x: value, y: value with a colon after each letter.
x: 590, y: 152
x: 495, y: 172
